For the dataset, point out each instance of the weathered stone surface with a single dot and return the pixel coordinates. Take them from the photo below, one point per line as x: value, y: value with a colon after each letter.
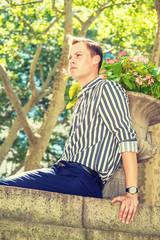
x: 39, y: 215
x: 116, y: 186
x: 102, y: 215
x: 145, y: 112
x: 28, y: 205
x: 15, y: 230
x: 149, y: 174
x: 110, y: 235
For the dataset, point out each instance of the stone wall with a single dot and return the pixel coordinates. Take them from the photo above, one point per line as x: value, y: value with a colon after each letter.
x: 149, y: 174
x: 39, y: 215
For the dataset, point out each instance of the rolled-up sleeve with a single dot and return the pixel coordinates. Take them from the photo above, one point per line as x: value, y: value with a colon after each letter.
x: 114, y: 110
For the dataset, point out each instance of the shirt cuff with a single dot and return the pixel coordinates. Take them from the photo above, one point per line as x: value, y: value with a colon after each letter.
x: 128, y: 146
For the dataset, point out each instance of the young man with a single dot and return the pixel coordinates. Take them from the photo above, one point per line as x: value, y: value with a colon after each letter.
x: 101, y: 136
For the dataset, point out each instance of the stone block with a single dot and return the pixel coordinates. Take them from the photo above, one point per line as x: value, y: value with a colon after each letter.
x: 28, y: 205
x: 15, y: 230
x: 101, y: 214
x: 111, y: 235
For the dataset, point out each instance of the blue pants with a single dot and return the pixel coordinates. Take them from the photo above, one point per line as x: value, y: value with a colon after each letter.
x: 68, y: 179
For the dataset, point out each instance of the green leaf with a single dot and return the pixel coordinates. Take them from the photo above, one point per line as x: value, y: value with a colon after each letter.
x: 117, y: 69
x: 109, y: 74
x: 73, y: 89
x: 116, y: 79
x: 158, y: 91
x: 156, y: 71
x: 71, y: 104
x: 127, y: 82
x: 66, y: 78
x: 158, y: 77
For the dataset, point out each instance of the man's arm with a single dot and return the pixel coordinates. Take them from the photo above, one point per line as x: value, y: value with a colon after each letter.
x: 129, y: 202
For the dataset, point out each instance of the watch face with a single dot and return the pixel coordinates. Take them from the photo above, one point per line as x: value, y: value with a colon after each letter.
x: 132, y: 190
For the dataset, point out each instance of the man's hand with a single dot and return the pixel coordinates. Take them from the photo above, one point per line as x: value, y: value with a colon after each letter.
x: 129, y: 204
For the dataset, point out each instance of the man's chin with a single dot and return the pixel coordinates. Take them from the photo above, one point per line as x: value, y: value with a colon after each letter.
x: 74, y: 76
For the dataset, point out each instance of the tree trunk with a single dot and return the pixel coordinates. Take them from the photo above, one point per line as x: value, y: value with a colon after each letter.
x: 36, y: 151
x: 16, y: 125
x: 156, y: 50
x: 13, y: 131
x: 34, y: 99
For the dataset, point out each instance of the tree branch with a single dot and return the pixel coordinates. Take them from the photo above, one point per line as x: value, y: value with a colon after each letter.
x: 78, y: 18
x: 41, y: 72
x: 23, y: 4
x: 95, y: 15
x: 50, y: 75
x: 56, y: 9
x: 30, y: 27
x: 109, y: 50
x: 63, y: 122
x: 16, y: 125
x: 51, y: 24
x: 33, y: 67
x: 17, y: 105
x: 17, y: 168
x: 86, y: 24
x: 104, y: 6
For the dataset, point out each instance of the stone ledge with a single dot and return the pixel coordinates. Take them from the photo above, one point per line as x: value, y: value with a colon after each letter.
x: 33, y: 214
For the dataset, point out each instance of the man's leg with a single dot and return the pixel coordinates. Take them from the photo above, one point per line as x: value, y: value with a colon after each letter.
x: 68, y: 179
x: 36, y: 179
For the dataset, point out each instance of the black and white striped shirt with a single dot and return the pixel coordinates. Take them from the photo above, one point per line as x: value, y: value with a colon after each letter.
x: 101, y: 128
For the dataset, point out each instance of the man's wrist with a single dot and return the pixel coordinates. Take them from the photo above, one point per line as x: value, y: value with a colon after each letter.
x: 132, y: 190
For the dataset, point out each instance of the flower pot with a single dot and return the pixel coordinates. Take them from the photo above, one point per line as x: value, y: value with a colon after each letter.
x: 115, y: 186
x: 145, y: 112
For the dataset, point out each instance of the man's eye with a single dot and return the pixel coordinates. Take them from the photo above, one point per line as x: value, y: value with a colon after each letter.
x: 79, y: 55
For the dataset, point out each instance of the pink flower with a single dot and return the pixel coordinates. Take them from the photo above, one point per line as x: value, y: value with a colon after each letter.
x: 134, y: 59
x: 103, y: 71
x: 122, y: 54
x: 103, y: 76
x: 150, y: 81
x: 139, y: 59
x: 147, y: 77
x: 66, y: 72
x: 110, y: 61
x: 146, y: 59
x: 131, y: 59
x: 116, y: 60
x: 135, y: 73
x: 138, y: 81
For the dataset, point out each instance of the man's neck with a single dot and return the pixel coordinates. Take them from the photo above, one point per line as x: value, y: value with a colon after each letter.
x: 85, y: 81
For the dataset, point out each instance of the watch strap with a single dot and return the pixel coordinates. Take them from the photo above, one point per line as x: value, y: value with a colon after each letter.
x: 132, y: 190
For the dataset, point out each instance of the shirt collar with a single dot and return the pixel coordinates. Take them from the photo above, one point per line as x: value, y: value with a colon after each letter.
x: 89, y: 85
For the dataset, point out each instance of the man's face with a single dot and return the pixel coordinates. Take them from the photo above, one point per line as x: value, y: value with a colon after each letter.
x: 81, y: 63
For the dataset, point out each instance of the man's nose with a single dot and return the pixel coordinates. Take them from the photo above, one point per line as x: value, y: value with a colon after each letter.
x: 72, y: 60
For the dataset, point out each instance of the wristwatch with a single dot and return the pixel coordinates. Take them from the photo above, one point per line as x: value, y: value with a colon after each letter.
x: 132, y: 190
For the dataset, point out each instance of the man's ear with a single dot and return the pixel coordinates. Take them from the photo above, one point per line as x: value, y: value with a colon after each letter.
x: 96, y: 59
